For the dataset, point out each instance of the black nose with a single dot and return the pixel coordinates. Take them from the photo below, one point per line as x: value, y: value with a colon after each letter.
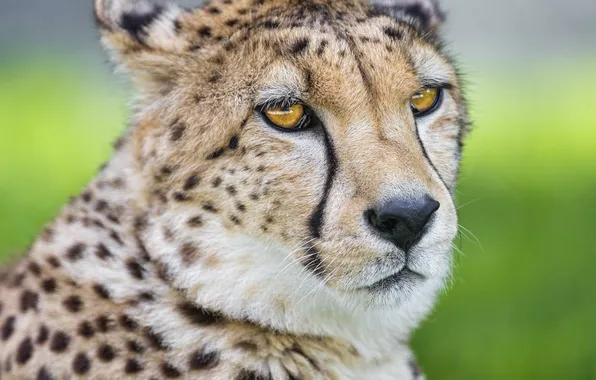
x: 402, y: 220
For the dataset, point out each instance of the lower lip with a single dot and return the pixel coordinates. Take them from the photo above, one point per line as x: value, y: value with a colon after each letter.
x: 402, y: 278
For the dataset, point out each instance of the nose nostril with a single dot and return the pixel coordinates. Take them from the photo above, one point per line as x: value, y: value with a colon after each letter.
x: 402, y: 221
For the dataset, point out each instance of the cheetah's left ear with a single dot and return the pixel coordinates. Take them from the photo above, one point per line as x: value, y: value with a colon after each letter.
x: 142, y: 36
x: 425, y: 14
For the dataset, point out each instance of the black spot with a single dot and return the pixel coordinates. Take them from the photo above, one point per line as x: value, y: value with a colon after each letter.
x: 35, y: 269
x: 135, y: 269
x: 74, y: 304
x: 210, y: 208
x: 147, y: 297
x: 49, y: 285
x: 177, y: 132
x: 86, y: 330
x: 101, y: 291
x: 231, y: 190
x: 29, y: 301
x: 393, y: 33
x: 75, y: 252
x: 102, y: 252
x: 271, y: 24
x: 81, y: 364
x: 114, y: 235
x: 24, y: 351
x: 155, y: 340
x: 128, y: 323
x: 135, y: 347
x: 214, y: 10
x: 143, y: 253
x: 163, y: 271
x: 170, y: 371
x: 241, y: 207
x: 232, y: 23
x: 17, y: 280
x: 43, y: 374
x: 299, y: 46
x: 192, y: 182
x: 195, y: 222
x: 235, y: 220
x: 8, y: 327
x: 181, y: 197
x: 247, y: 346
x: 202, y: 360
x: 215, y: 77
x: 189, y: 252
x: 216, y: 182
x: 114, y: 218
x: 101, y: 205
x: 177, y: 26
x: 47, y: 234
x: 53, y: 261
x: 416, y: 371
x: 136, y: 24
x: 103, y: 324
x: 218, y: 153
x: 199, y: 315
x: 234, y: 142
x: 106, y: 353
x: 247, y: 374
x: 204, y: 31
x: 43, y: 335
x: 60, y: 342
x: 132, y: 366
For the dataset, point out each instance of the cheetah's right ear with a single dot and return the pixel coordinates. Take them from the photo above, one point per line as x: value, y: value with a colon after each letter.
x: 425, y: 14
x: 141, y: 35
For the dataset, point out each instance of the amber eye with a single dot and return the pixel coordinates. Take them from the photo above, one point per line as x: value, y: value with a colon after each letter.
x: 289, y: 118
x: 425, y: 101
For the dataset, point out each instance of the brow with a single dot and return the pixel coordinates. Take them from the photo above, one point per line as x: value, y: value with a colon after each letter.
x: 433, y: 72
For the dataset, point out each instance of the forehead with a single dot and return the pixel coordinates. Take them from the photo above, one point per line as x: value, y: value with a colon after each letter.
x: 374, y: 58
x: 325, y: 29
x: 337, y: 52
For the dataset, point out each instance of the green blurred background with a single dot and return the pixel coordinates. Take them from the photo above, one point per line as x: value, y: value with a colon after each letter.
x: 522, y: 303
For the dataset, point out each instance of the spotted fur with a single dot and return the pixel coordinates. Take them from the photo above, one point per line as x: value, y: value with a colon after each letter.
x: 213, y: 246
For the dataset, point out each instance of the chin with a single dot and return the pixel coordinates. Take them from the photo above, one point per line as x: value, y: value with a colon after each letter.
x: 406, y: 289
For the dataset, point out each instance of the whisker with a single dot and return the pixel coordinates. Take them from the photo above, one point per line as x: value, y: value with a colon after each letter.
x: 469, y: 202
x: 293, y: 260
x: 465, y: 230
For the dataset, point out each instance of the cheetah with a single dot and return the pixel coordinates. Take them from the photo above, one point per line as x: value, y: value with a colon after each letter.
x: 280, y: 207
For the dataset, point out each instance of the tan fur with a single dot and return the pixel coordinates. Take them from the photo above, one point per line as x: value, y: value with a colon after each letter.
x: 189, y: 255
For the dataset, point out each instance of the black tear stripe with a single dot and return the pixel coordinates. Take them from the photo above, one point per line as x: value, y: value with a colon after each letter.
x: 312, y: 260
x: 135, y: 23
x: 431, y: 163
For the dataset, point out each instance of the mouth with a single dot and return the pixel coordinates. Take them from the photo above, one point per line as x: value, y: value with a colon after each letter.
x: 400, y: 279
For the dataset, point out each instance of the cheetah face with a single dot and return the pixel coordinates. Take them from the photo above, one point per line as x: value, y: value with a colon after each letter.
x: 287, y: 141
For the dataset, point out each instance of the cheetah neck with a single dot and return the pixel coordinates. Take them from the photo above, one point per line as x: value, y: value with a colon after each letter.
x: 112, y: 235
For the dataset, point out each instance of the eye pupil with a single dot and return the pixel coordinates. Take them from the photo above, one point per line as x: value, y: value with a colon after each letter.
x: 425, y: 101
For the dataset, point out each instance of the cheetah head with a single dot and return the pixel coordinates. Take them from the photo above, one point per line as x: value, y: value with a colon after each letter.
x: 298, y: 158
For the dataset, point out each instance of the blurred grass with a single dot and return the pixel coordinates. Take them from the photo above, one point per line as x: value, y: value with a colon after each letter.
x: 522, y: 303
